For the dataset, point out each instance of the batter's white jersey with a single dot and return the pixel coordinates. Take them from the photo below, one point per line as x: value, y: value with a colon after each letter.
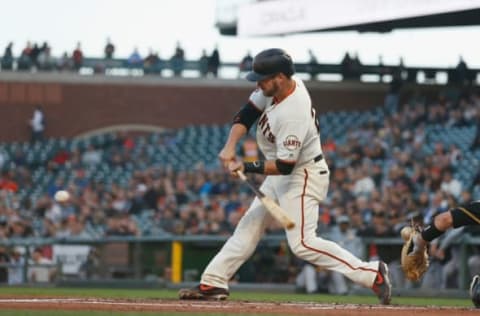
x: 287, y: 130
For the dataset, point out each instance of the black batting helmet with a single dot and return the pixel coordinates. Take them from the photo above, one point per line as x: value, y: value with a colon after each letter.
x: 271, y: 62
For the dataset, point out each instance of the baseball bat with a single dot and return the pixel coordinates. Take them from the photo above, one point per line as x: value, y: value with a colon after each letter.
x: 275, y: 210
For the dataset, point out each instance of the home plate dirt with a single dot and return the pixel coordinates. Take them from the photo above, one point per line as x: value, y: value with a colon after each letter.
x: 151, y: 305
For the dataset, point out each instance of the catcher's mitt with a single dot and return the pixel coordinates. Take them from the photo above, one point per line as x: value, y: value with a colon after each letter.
x: 414, y: 264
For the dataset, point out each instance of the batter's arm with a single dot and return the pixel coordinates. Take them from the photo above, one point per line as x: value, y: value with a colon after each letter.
x: 267, y: 167
x: 228, y: 152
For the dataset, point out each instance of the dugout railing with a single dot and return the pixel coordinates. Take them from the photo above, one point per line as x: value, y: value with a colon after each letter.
x: 171, y: 259
x: 121, y: 66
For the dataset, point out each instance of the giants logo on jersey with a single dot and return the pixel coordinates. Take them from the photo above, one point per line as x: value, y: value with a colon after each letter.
x: 265, y: 128
x: 291, y: 142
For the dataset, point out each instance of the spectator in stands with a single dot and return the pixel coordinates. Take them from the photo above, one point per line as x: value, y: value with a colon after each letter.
x: 459, y: 75
x: 401, y: 69
x: 7, y: 181
x: 44, y: 59
x: 72, y: 226
x: 356, y: 67
x: 152, y: 64
x: 346, y: 236
x: 351, y: 67
x: 7, y: 58
x: 449, y: 254
x: 3, y: 223
x: 135, y: 60
x: 312, y: 66
x: 91, y: 156
x: 214, y: 62
x: 41, y: 269
x: 245, y: 64
x: 77, y: 57
x: 437, y: 205
x: 4, y: 258
x: 3, y: 158
x: 52, y: 213
x: 17, y: 263
x: 121, y: 225
x: 363, y: 182
x: 37, y: 124
x: 177, y: 62
x: 91, y: 267
x: 64, y: 62
x: 137, y: 200
x: 381, y: 228
x: 393, y: 95
x: 24, y: 62
x: 109, y: 49
x: 382, y: 69
x: 345, y: 65
x: 450, y: 185
x: 19, y: 228
x: 308, y: 279
x: 80, y: 179
x: 165, y: 219
x: 250, y: 151
x: 203, y: 64
x: 34, y: 55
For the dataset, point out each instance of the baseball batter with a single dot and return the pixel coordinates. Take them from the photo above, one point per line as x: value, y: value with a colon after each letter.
x: 298, y: 178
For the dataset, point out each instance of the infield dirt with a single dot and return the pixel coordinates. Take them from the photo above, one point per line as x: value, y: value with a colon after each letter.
x: 226, y: 307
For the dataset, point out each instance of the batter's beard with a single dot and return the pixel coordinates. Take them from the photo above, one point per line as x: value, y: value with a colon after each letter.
x: 267, y: 93
x: 271, y: 92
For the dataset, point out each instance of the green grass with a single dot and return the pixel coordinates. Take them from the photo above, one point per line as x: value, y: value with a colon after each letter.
x: 243, y: 296
x: 172, y: 294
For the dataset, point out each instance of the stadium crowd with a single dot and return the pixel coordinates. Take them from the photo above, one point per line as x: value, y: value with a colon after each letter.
x: 38, y: 57
x: 382, y: 176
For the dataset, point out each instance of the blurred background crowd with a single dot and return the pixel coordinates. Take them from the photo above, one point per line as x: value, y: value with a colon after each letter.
x: 389, y: 166
x: 35, y: 57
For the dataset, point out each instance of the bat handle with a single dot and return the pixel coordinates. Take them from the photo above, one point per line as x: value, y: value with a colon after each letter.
x: 241, y: 175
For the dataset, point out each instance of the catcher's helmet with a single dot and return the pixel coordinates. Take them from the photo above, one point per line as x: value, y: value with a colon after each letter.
x: 475, y: 291
x: 271, y: 62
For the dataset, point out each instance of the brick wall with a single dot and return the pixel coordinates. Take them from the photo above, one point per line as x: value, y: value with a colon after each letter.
x: 73, y: 108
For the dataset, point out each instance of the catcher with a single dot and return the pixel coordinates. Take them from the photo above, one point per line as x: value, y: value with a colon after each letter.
x: 414, y: 250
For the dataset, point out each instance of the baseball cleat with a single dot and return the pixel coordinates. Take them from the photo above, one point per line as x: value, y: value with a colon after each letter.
x: 203, y: 292
x: 382, y: 286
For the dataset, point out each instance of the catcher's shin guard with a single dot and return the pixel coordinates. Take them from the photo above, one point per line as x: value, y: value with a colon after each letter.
x: 475, y: 291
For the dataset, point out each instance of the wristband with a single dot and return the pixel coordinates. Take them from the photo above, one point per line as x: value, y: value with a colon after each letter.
x: 254, y: 167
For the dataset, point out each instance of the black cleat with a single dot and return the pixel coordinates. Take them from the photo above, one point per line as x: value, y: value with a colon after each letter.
x: 203, y: 292
x: 382, y: 286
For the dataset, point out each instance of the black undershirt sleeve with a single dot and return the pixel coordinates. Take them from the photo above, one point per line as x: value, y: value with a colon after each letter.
x: 247, y: 115
x: 284, y: 167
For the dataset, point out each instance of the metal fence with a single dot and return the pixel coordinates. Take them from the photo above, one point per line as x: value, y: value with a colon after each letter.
x: 193, y: 68
x: 166, y: 259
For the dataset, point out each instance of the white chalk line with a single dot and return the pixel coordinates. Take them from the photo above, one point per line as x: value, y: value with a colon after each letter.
x: 212, y: 304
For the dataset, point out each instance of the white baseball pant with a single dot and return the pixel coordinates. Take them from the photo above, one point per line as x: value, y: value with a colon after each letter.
x: 299, y: 194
